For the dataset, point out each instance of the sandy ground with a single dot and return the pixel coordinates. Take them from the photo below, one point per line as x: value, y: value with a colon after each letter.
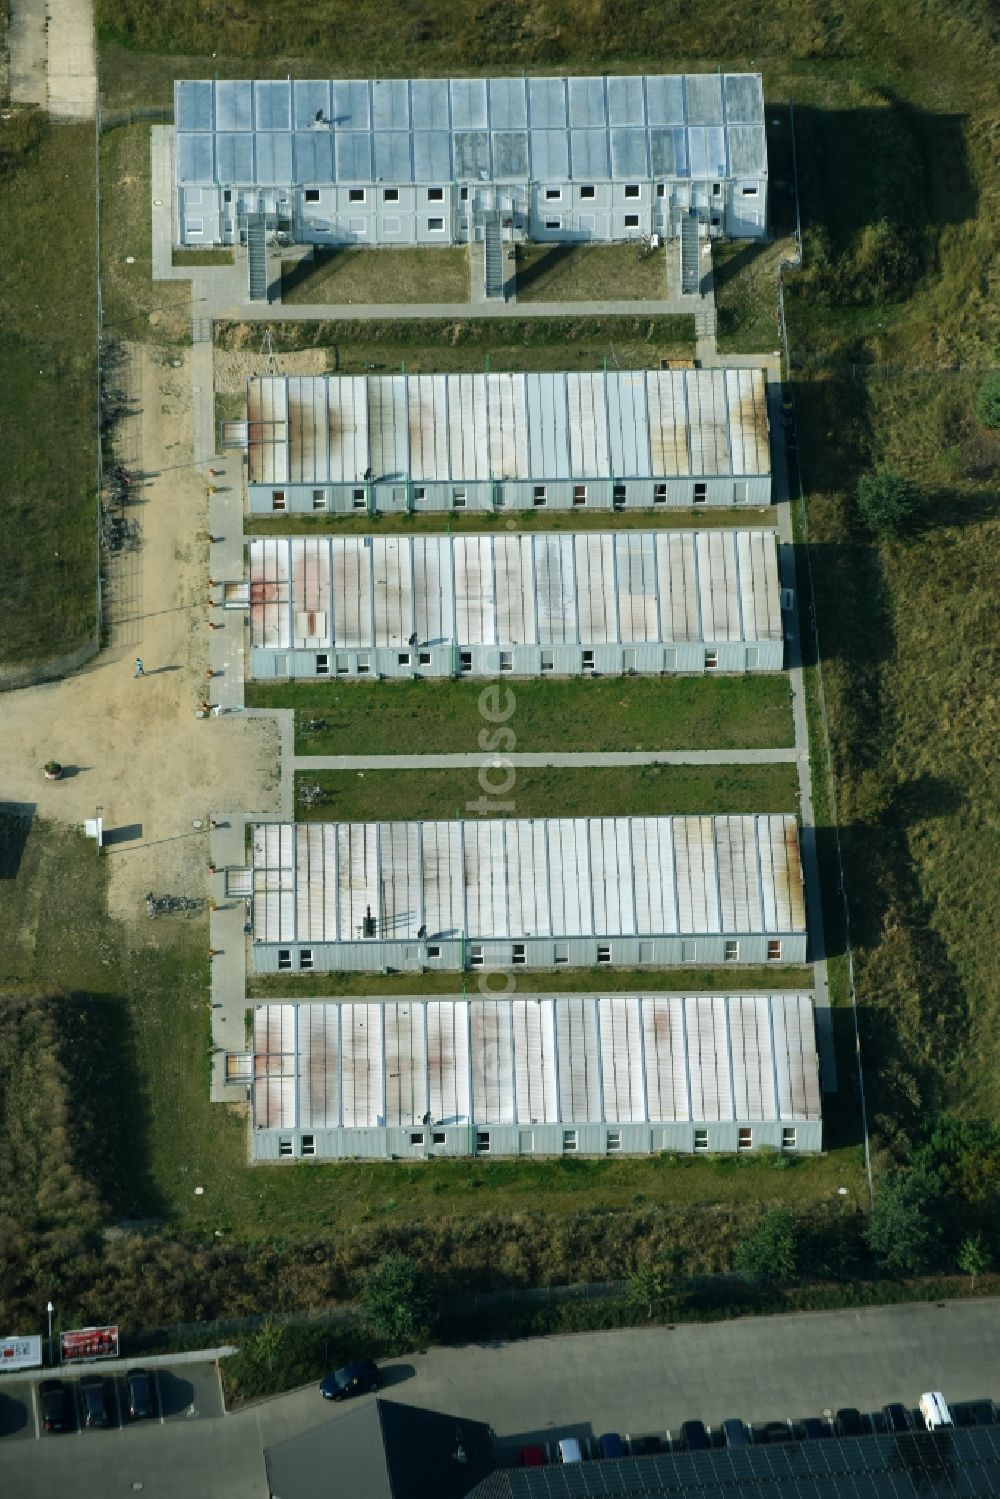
x: 134, y: 746
x: 234, y: 367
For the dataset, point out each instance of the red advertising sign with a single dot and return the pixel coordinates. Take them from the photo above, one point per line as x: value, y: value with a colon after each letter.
x: 88, y: 1342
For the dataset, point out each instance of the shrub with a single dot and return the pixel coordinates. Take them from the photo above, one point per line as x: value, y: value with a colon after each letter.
x: 770, y: 1251
x: 887, y: 501
x: 904, y: 1228
x: 398, y: 1301
x: 988, y: 402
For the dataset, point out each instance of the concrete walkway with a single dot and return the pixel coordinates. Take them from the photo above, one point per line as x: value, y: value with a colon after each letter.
x: 569, y: 761
x: 28, y: 53
x: 53, y: 58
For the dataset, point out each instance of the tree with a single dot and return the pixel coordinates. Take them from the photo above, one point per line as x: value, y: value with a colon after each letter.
x: 398, y: 1301
x: 904, y: 1226
x: 974, y: 1257
x: 770, y: 1250
x: 988, y: 402
x: 266, y: 1343
x: 648, y: 1288
x: 887, y: 501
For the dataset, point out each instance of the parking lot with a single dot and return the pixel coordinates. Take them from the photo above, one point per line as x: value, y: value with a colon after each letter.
x: 188, y: 1393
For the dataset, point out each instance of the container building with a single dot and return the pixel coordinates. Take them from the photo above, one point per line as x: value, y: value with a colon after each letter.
x: 584, y: 1074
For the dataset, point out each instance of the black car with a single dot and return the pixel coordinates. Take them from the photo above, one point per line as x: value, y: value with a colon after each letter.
x: 773, y: 1431
x: 695, y: 1437
x: 734, y: 1433
x: 848, y: 1422
x: 53, y: 1397
x: 897, y: 1418
x: 141, y: 1404
x: 353, y: 1379
x: 974, y: 1413
x: 813, y: 1427
x: 94, y: 1398
x: 645, y: 1446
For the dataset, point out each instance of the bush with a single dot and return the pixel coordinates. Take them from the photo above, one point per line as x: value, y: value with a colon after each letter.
x: 887, y: 501
x: 904, y: 1228
x: 398, y: 1301
x: 770, y: 1251
x: 988, y: 402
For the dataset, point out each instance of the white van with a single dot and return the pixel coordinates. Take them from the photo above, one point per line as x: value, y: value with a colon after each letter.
x: 934, y: 1409
x: 569, y: 1450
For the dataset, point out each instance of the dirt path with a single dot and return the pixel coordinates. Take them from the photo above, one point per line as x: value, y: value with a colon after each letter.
x: 134, y: 746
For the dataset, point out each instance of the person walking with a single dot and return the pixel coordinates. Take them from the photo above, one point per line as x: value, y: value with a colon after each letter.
x: 140, y: 670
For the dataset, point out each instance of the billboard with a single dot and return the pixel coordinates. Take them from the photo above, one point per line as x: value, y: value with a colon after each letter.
x: 20, y: 1353
x: 88, y: 1342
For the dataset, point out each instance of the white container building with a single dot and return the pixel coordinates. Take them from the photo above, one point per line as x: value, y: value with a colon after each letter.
x: 424, y: 161
x: 565, y: 603
x: 582, y: 1074
x: 611, y: 440
x: 526, y: 893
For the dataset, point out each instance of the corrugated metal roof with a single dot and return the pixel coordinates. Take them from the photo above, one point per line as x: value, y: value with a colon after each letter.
x: 318, y: 882
x: 580, y: 588
x: 440, y: 130
x: 318, y: 429
x: 572, y: 1059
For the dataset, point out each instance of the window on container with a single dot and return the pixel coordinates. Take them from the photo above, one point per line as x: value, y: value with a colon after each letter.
x: 419, y: 492
x: 659, y: 494
x: 343, y: 665
x: 632, y: 190
x: 499, y: 499
x: 195, y: 226
x: 569, y: 1139
x: 700, y: 493
x: 435, y: 225
x: 560, y: 953
x: 359, y: 500
x: 278, y: 499
x: 398, y: 495
x: 305, y: 957
x: 403, y: 658
x: 519, y: 953
x: 604, y: 953
x: 284, y: 957
x: 588, y: 660
x: 476, y: 955
x: 506, y: 661
x: 434, y: 950
x: 579, y: 494
x: 631, y: 221
x: 465, y: 660
x: 740, y: 492
x: 463, y: 193
x: 319, y: 499
x: 390, y: 195
x: 588, y: 191
x: 416, y: 1137
x: 458, y: 498
x: 701, y: 1139
x: 618, y: 495
x: 548, y: 661
x: 744, y: 1138
x: 553, y: 194
x: 322, y: 665
x: 774, y: 949
x: 435, y: 195
x: 788, y: 1137
x: 716, y: 189
x: 227, y: 196
x: 364, y: 665
x: 285, y: 1147
x: 307, y: 1144
x: 390, y: 224
x: 689, y: 952
x: 424, y: 658
x: 731, y: 950
x: 614, y: 1140
x: 553, y: 223
x: 749, y: 192
x: 538, y: 494
x: 661, y: 189
x: 482, y: 1142
x: 355, y: 195
x: 711, y: 660
x: 312, y: 195
x: 438, y: 1137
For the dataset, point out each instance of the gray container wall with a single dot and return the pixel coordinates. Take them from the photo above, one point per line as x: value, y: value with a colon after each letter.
x: 408, y: 663
x: 418, y: 1144
x: 397, y: 497
x: 454, y: 954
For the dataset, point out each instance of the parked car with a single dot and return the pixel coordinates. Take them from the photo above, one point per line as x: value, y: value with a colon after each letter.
x: 934, y: 1410
x: 94, y: 1399
x: 568, y: 1450
x: 974, y: 1413
x: 611, y: 1445
x: 56, y: 1410
x: 352, y: 1379
x: 773, y: 1431
x: 695, y: 1437
x: 646, y: 1446
x: 896, y: 1417
x: 734, y: 1433
x: 848, y: 1422
x: 141, y: 1402
x: 531, y: 1457
x: 814, y: 1427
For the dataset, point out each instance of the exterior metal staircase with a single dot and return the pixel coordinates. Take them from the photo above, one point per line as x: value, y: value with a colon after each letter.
x: 256, y: 258
x: 690, y: 250
x: 493, y: 255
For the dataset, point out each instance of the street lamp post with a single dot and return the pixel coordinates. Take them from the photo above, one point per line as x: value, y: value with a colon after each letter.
x: 50, y: 1309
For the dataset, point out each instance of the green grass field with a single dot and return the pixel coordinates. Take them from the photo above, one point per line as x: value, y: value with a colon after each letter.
x: 589, y: 273
x: 297, y: 986
x: 382, y: 275
x: 610, y: 791
x: 135, y: 307
x: 485, y: 521
x: 48, y: 395
x: 669, y: 713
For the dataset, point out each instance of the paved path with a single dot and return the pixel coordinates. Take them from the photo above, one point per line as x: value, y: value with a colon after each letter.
x: 72, y: 66
x: 28, y: 52
x: 573, y: 761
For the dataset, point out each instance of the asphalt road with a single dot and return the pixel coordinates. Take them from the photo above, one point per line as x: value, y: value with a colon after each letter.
x: 633, y: 1382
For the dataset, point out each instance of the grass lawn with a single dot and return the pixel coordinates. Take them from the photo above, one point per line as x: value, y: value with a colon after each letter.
x: 275, y: 986
x: 48, y: 397
x: 668, y: 713
x: 135, y: 307
x: 590, y: 273
x: 378, y: 275
x: 395, y: 524
x: 610, y: 791
x: 221, y: 255
x: 437, y: 346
